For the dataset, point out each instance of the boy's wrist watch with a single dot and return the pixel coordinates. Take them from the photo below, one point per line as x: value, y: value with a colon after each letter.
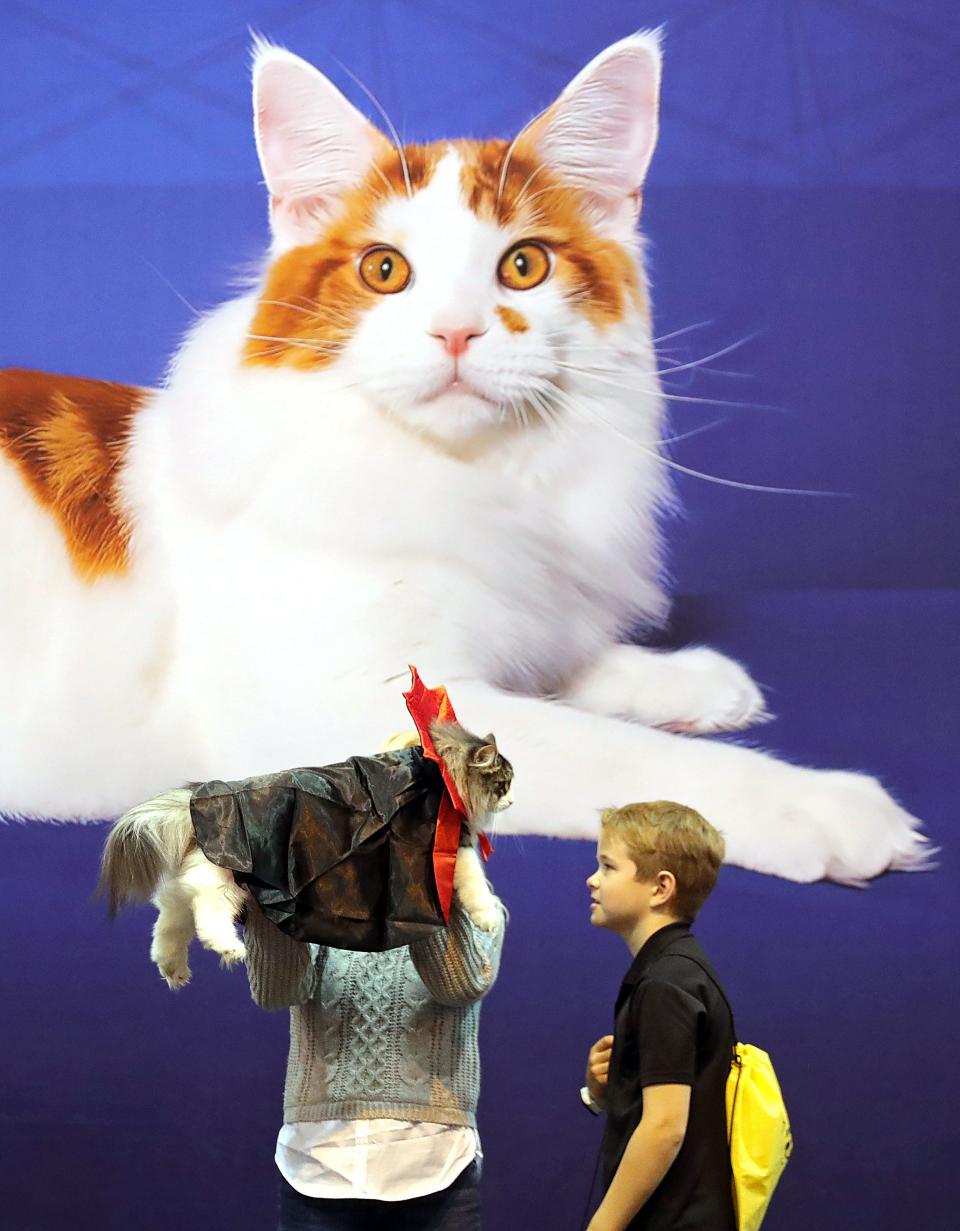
x: 588, y: 1101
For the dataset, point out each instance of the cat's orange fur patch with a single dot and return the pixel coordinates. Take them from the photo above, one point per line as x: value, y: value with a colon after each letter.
x: 515, y: 321
x: 314, y: 299
x: 599, y: 273
x: 313, y: 296
x: 68, y: 437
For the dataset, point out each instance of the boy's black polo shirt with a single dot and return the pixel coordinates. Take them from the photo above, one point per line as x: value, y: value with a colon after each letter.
x: 673, y: 1027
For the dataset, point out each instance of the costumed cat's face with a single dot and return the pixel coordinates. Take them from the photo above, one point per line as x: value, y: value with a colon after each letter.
x: 484, y: 777
x: 456, y: 286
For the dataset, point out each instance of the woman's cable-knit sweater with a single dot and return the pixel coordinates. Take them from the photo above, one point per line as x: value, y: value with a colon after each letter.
x: 379, y: 1035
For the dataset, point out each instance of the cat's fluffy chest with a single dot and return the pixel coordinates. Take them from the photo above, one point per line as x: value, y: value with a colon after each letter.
x: 262, y: 488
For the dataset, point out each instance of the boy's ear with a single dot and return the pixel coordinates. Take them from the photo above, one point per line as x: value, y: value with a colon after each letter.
x: 666, y: 890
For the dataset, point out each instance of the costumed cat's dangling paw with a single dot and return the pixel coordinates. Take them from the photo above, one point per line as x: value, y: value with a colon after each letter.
x: 694, y: 691
x: 233, y: 954
x: 473, y: 890
x: 216, y: 931
x: 172, y: 964
x: 487, y: 919
x: 175, y: 976
x: 172, y: 934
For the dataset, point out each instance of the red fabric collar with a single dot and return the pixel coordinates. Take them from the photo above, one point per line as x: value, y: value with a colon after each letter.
x: 426, y: 705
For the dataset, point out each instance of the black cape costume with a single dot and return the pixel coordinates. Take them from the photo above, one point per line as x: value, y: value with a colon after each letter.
x: 341, y: 855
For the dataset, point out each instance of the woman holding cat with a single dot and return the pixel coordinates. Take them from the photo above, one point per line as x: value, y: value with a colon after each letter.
x: 383, y: 1073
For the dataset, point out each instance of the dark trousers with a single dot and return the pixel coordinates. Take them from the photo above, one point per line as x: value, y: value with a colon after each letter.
x: 456, y: 1208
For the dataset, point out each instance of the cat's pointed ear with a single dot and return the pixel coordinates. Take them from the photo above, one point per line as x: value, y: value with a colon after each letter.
x: 600, y: 133
x: 313, y: 144
x: 484, y: 756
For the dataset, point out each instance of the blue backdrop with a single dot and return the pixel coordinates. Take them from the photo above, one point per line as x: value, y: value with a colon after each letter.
x: 803, y: 204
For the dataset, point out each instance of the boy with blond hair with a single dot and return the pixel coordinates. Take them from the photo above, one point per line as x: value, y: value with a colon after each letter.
x: 661, y: 1076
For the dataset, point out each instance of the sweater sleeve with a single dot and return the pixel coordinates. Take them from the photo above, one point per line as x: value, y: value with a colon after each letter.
x: 282, y: 972
x: 459, y: 963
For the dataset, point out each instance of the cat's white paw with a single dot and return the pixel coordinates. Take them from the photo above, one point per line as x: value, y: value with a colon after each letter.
x: 169, y: 954
x: 231, y: 954
x: 694, y: 691
x: 815, y: 824
x: 175, y: 972
x: 486, y: 918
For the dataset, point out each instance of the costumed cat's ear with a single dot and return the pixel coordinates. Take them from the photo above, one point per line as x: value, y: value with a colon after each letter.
x: 484, y: 756
x: 600, y: 133
x: 313, y: 144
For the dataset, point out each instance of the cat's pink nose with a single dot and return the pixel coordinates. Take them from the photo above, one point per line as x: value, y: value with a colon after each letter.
x: 456, y: 340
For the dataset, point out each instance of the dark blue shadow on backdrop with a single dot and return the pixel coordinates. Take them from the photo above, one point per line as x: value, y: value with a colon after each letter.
x: 804, y: 200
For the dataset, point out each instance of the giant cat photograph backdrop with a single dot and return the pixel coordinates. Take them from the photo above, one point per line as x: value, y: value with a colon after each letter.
x: 798, y: 220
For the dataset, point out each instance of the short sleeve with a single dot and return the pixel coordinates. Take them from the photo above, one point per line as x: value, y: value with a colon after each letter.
x: 667, y: 1023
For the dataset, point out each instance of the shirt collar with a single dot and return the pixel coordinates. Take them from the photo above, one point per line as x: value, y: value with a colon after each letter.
x: 652, y: 948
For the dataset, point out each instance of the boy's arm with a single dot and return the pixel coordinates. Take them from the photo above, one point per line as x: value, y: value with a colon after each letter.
x: 649, y: 1155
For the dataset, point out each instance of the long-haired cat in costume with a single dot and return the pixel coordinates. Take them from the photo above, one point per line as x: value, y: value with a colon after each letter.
x: 152, y: 853
x: 430, y: 432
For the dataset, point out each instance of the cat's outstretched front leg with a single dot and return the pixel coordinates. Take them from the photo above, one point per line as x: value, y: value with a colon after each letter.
x: 696, y: 691
x: 799, y: 823
x: 473, y: 889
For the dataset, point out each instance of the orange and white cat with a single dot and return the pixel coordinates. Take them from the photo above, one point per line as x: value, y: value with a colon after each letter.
x: 430, y: 434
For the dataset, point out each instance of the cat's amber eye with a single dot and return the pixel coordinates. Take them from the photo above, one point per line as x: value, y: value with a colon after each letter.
x: 385, y: 270
x: 524, y: 266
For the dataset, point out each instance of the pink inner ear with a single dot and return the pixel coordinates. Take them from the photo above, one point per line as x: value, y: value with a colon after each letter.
x: 601, y: 132
x: 313, y: 144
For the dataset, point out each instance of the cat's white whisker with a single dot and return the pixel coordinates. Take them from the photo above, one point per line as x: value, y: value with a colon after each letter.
x: 594, y: 369
x: 166, y: 281
x: 578, y: 407
x: 522, y: 199
x: 610, y: 377
x: 680, y: 397
x: 383, y: 179
x: 695, y: 431
x: 504, y: 167
x: 283, y: 303
x: 726, y: 350
x: 394, y: 135
x: 708, y: 369
x: 547, y: 414
x: 318, y: 347
x: 676, y: 333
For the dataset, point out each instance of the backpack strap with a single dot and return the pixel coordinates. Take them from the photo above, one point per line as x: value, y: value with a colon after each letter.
x: 739, y: 1067
x: 713, y: 979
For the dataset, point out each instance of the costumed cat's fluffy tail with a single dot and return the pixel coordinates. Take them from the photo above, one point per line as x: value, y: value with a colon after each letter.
x: 147, y: 845
x: 152, y: 854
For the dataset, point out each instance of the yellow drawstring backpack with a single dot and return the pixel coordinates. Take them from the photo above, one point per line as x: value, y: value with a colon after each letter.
x: 758, y: 1127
